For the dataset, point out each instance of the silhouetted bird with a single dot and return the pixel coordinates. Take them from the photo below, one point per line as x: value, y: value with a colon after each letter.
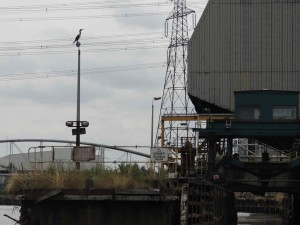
x: 78, y: 36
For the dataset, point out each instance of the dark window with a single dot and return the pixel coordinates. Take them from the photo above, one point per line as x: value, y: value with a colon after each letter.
x: 284, y: 112
x: 248, y: 113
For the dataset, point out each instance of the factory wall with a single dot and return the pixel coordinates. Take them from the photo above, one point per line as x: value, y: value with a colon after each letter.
x: 244, y: 45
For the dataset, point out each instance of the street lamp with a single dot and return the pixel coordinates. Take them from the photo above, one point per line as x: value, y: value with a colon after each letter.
x: 78, y: 98
x: 80, y: 125
x: 154, y: 99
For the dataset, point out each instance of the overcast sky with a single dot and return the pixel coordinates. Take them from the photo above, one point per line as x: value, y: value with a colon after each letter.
x: 123, y: 58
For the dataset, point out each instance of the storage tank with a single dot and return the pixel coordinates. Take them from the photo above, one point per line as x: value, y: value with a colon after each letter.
x: 243, y: 45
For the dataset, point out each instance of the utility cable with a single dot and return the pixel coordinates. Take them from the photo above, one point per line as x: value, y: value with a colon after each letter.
x: 34, y: 19
x: 87, y: 71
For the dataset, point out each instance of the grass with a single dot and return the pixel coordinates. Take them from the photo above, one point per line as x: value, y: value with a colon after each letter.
x: 124, y: 177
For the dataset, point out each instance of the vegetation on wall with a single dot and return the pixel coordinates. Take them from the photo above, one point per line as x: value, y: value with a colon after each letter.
x: 125, y: 176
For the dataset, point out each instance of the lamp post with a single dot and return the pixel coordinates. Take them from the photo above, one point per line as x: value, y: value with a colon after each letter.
x: 154, y: 99
x: 79, y: 125
x: 78, y: 99
x: 79, y: 129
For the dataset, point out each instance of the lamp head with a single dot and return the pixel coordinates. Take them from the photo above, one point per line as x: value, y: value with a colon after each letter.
x: 85, y: 123
x: 69, y: 123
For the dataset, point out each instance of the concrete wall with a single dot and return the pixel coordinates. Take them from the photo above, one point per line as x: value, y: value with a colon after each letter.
x: 100, y: 212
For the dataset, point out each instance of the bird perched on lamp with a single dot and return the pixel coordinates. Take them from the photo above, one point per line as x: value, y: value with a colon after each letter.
x: 78, y: 36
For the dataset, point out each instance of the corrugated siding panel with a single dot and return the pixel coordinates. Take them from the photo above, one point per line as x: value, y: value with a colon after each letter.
x: 296, y: 36
x: 199, y: 56
x: 222, y: 38
x: 267, y: 79
x: 296, y: 44
x: 290, y: 36
x: 207, y: 42
x: 212, y: 31
x: 234, y: 40
x: 289, y: 71
x: 212, y: 84
x: 277, y: 45
x: 256, y: 30
x: 244, y: 45
x: 285, y: 34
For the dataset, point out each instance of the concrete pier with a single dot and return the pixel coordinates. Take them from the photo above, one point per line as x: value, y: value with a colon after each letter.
x: 209, y: 204
x: 108, y: 207
x: 191, y: 202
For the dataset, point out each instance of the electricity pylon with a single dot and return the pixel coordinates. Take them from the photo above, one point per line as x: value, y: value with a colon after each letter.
x: 175, y: 100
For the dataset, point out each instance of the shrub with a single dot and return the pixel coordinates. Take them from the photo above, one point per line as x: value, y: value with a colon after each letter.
x: 56, y: 177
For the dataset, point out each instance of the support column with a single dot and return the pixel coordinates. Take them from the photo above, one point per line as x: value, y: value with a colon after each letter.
x: 231, y: 211
x: 229, y: 147
x: 296, y: 205
x: 211, y: 155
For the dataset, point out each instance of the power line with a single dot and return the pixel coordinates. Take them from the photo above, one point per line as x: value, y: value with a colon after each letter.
x: 86, y: 5
x: 47, y: 8
x: 86, y: 50
x: 87, y: 71
x: 118, y: 42
x: 113, y: 36
x: 77, y: 6
x: 88, y: 44
x: 32, y: 19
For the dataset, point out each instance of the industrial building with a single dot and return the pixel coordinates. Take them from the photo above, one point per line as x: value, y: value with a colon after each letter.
x: 243, y: 77
x: 243, y: 45
x: 244, y: 66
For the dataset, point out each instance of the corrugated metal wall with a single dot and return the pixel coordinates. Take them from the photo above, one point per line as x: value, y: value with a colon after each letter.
x: 244, y: 45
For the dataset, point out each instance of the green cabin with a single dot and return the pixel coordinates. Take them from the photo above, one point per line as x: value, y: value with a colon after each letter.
x: 270, y: 117
x: 267, y: 106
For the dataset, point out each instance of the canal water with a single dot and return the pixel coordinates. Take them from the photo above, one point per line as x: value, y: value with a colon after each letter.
x: 11, y: 211
x: 259, y: 219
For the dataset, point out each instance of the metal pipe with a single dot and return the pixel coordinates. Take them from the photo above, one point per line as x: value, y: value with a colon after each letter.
x: 114, y: 147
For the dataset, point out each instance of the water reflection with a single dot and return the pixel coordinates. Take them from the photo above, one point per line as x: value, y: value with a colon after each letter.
x: 259, y: 218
